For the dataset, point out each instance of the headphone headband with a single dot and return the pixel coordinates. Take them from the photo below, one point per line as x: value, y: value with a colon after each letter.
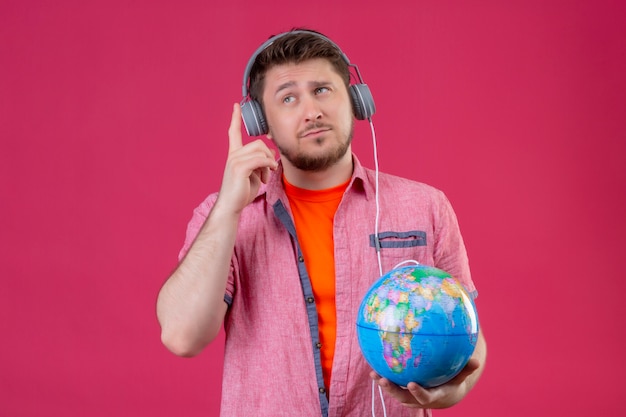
x: 267, y: 43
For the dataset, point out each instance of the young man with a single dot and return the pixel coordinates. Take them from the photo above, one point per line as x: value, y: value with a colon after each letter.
x: 284, y: 253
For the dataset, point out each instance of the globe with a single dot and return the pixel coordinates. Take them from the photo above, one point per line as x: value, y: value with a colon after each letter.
x: 417, y: 323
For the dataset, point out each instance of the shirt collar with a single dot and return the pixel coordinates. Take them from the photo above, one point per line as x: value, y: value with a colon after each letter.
x: 362, y: 183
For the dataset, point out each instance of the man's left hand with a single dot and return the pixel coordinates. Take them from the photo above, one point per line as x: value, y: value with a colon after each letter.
x: 442, y: 396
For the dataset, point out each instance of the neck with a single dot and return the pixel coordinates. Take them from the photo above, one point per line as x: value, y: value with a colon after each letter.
x: 320, y: 180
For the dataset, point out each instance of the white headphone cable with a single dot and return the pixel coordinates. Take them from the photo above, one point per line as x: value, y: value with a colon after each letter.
x: 377, y: 244
x: 376, y: 221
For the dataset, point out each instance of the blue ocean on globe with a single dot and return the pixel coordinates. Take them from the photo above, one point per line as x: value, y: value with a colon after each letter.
x: 417, y: 323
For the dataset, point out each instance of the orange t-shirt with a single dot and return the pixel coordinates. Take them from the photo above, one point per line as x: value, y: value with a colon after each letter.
x: 313, y: 213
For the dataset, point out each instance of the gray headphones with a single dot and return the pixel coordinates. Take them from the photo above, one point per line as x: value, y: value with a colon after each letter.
x: 252, y: 113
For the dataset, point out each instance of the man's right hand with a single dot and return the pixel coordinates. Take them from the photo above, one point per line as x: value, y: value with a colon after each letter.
x: 246, y: 168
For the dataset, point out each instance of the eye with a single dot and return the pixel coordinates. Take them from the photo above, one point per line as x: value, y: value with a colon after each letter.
x: 321, y: 90
x: 288, y: 99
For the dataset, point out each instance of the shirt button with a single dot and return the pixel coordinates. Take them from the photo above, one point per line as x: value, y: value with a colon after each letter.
x: 300, y: 259
x: 322, y: 390
x: 318, y: 345
x: 310, y: 300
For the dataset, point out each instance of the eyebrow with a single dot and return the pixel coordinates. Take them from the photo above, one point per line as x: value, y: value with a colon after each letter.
x: 290, y: 84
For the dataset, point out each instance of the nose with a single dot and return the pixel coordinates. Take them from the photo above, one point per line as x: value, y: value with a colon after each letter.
x: 312, y: 110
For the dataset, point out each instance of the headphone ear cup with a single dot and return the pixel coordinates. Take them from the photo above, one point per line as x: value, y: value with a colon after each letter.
x: 253, y: 118
x: 362, y: 101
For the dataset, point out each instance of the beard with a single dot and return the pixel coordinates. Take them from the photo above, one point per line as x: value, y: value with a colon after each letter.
x: 316, y: 163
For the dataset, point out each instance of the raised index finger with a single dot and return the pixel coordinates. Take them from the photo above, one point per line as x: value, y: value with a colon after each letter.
x: 234, y: 131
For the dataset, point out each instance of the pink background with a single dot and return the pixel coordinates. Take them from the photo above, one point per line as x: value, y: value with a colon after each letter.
x: 113, y: 119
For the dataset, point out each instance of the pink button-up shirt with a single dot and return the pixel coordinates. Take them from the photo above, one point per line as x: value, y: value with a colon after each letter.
x: 272, y: 364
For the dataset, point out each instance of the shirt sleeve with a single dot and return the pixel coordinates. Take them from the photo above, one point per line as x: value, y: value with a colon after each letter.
x: 449, y: 253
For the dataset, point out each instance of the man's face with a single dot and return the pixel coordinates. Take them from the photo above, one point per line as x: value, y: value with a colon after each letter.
x: 309, y: 113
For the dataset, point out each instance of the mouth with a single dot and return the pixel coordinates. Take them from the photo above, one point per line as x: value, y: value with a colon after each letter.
x: 314, y: 132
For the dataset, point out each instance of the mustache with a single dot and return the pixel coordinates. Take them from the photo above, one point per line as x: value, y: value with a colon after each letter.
x: 312, y: 127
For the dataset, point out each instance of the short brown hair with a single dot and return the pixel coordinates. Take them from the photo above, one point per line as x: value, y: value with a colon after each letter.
x: 296, y: 46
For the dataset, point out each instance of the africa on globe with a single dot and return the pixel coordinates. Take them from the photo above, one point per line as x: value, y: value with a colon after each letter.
x: 417, y: 323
